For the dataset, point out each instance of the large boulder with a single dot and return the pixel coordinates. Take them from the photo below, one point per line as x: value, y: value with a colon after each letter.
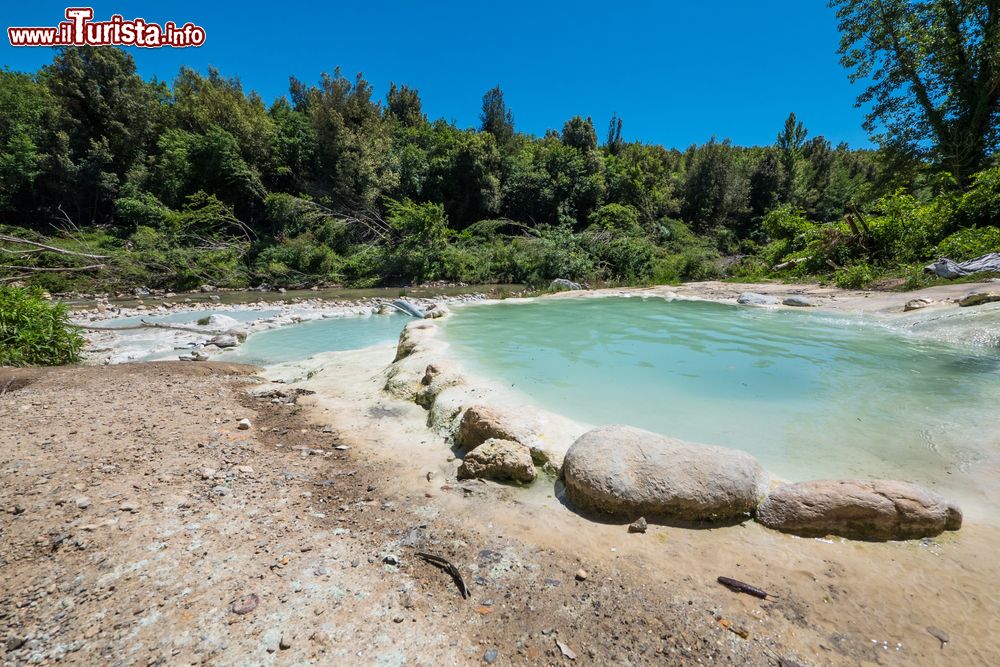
x: 482, y: 422
x: 502, y: 460
x: 627, y: 472
x: 224, y: 322
x: 862, y: 509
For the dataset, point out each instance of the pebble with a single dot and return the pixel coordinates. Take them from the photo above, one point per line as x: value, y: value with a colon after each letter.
x: 390, y: 559
x: 581, y: 575
x: 638, y: 526
x: 220, y: 490
x: 285, y: 643
x: 243, y: 424
x: 83, y: 503
x: 490, y: 656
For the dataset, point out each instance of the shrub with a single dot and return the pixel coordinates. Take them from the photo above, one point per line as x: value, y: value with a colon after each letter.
x: 854, y: 277
x: 788, y: 223
x: 35, y: 331
x: 969, y: 243
x: 625, y: 258
x: 981, y: 204
x: 617, y: 218
x: 905, y: 230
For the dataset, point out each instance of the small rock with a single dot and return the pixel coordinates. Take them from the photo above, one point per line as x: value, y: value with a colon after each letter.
x: 754, y: 299
x: 979, y: 298
x: 129, y: 506
x: 321, y: 637
x: 245, y: 604
x: 244, y: 424
x: 285, y: 643
x: 220, y: 490
x: 490, y: 656
x: 566, y: 650
x: 225, y: 340
x: 916, y: 304
x: 581, y: 575
x: 208, y: 473
x: 390, y: 559
x: 939, y: 634
x: 83, y: 503
x: 799, y: 301
x: 638, y: 526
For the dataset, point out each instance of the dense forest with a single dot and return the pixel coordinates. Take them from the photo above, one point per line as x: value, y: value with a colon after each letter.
x: 109, y: 181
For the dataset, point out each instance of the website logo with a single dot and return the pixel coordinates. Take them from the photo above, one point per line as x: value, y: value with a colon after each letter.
x: 79, y: 29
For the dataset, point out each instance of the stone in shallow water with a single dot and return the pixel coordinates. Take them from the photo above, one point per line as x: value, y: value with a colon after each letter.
x: 979, y: 298
x: 800, y: 301
x: 499, y: 459
x: 861, y: 509
x: 916, y: 304
x: 754, y: 299
x: 626, y: 471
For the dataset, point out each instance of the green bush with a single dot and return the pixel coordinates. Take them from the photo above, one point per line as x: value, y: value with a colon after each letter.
x: 35, y: 331
x: 857, y: 276
x: 981, y: 204
x: 788, y: 223
x: 969, y: 243
x: 625, y: 258
x: 617, y: 218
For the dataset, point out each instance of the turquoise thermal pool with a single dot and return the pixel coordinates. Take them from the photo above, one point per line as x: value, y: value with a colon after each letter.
x: 812, y: 395
x: 335, y: 334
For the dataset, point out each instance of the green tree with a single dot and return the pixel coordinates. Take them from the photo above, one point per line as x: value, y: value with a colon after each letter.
x: 580, y: 134
x: 496, y: 118
x: 403, y: 104
x: 933, y: 74
x: 614, y: 143
x: 790, y: 141
x: 107, y: 114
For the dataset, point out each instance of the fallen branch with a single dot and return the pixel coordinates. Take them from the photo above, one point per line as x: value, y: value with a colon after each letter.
x: 35, y: 269
x: 740, y: 587
x: 147, y: 325
x: 448, y: 567
x: 61, y: 251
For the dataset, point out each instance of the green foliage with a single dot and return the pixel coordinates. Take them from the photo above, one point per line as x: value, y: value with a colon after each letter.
x: 981, y: 204
x: 855, y: 277
x: 35, y: 331
x: 969, y: 243
x: 931, y: 74
x: 617, y: 218
x: 787, y: 223
x: 201, y: 182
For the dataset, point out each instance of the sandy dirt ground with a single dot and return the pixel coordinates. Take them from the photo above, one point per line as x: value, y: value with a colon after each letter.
x: 141, y: 526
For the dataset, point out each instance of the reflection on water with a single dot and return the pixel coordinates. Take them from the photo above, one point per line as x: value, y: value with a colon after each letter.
x: 812, y: 395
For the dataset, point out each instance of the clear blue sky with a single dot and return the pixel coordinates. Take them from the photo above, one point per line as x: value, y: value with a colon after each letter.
x: 677, y: 72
